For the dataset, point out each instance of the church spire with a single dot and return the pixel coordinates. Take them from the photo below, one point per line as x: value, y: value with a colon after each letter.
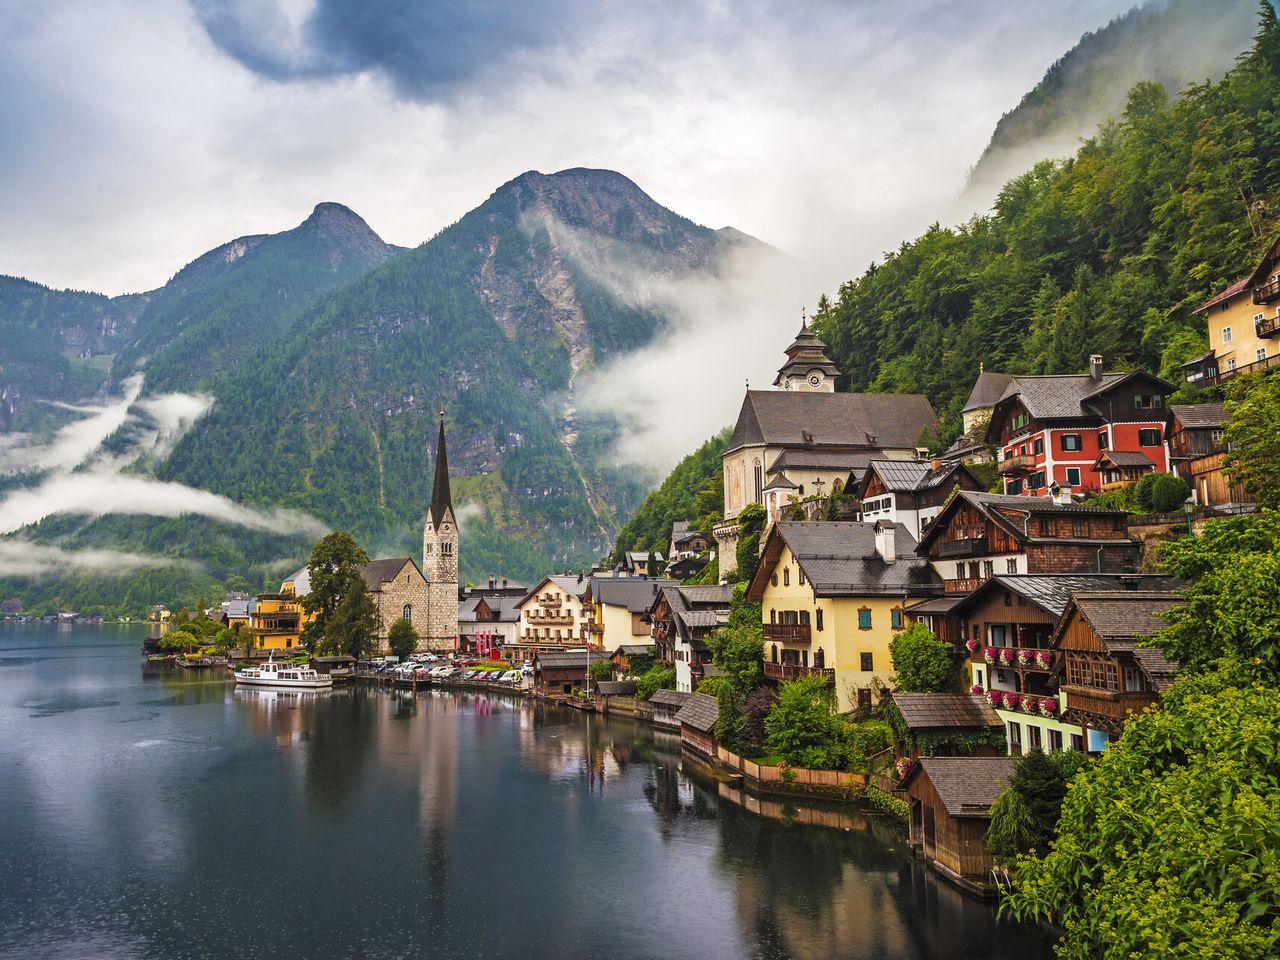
x: 441, y: 499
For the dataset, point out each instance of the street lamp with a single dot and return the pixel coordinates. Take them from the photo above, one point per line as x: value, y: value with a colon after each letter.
x: 1188, y: 508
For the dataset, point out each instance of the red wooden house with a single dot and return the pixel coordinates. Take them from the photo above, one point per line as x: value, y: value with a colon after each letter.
x: 1050, y: 430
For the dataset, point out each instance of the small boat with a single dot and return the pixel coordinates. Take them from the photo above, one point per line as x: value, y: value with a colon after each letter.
x: 291, y: 675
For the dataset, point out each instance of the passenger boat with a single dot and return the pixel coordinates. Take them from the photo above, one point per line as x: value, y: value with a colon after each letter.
x: 291, y: 675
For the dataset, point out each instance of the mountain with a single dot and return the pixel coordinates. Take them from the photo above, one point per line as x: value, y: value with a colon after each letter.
x: 1173, y: 43
x: 496, y: 319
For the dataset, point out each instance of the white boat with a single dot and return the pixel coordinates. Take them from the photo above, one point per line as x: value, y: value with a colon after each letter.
x: 289, y: 675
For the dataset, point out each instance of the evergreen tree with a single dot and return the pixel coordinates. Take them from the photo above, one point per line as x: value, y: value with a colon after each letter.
x: 403, y: 639
x: 334, y: 560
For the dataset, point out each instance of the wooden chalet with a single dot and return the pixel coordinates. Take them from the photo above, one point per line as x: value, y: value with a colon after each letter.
x: 1117, y: 469
x: 1105, y: 664
x: 1197, y: 448
x: 932, y: 713
x: 979, y: 535
x: 911, y: 492
x: 697, y: 719
x: 558, y: 672
x: 949, y: 801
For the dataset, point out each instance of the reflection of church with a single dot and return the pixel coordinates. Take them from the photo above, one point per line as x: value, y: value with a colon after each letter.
x: 803, y: 439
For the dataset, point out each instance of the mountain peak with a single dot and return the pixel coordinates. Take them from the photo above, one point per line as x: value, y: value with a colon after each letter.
x: 329, y: 215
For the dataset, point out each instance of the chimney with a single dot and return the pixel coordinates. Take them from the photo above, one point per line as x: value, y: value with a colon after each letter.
x: 504, y: 581
x: 885, y: 545
x: 935, y: 463
x: 1060, y: 494
x: 493, y: 581
x: 1095, y: 366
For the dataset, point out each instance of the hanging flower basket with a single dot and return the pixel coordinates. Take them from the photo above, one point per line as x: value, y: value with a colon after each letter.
x: 1024, y: 657
x: 1006, y: 656
x: 1042, y: 658
x: 996, y: 697
x: 971, y: 644
x: 901, y: 766
x: 1012, y: 701
x: 1048, y: 706
x: 976, y: 688
x: 990, y: 654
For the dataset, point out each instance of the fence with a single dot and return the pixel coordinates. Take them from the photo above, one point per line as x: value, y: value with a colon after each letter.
x: 839, y: 780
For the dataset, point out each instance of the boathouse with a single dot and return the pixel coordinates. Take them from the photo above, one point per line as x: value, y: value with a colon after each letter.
x: 666, y: 704
x: 949, y: 799
x: 697, y: 719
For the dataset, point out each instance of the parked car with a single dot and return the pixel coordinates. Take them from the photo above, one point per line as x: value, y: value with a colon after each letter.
x: 510, y: 676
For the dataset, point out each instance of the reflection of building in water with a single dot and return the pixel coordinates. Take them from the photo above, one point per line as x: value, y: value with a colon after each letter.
x: 583, y: 747
x: 285, y: 715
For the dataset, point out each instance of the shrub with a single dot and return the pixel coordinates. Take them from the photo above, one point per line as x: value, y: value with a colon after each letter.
x: 1142, y: 491
x: 754, y: 709
x: 801, y: 727
x: 654, y: 679
x: 600, y: 670
x: 1168, y: 492
x: 923, y: 664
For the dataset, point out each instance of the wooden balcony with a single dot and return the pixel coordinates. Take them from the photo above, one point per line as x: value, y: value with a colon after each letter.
x: 1270, y: 327
x: 1107, y: 704
x: 787, y: 632
x: 1019, y: 464
x: 962, y: 585
x: 979, y: 656
x: 553, y: 620
x: 793, y: 671
x: 1266, y: 292
x: 1225, y: 374
x: 966, y: 547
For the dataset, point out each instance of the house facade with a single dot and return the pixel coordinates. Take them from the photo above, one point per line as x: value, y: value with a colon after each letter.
x: 620, y: 609
x: 1243, y: 323
x: 681, y: 619
x: 832, y: 597
x: 911, y: 492
x: 1197, y: 449
x: 553, y: 615
x: 1050, y: 430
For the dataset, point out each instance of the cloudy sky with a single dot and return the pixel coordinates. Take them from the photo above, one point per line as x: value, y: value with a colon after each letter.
x: 136, y: 134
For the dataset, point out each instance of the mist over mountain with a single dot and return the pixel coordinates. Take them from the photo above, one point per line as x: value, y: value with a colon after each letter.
x: 1170, y: 42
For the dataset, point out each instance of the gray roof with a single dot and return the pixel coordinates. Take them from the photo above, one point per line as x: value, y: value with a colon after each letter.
x: 934, y: 606
x: 236, y: 608
x: 910, y: 476
x: 507, y: 609
x: 1126, y: 458
x: 575, y: 586
x: 839, y: 558
x: 378, y: 572
x: 631, y: 649
x: 1199, y: 416
x: 681, y: 532
x: 1160, y: 670
x: 1058, y: 395
x: 671, y: 698
x: 708, y: 595
x: 934, y: 711
x: 616, y: 688
x: 567, y: 659
x: 694, y: 619
x: 301, y: 581
x: 967, y: 786
x: 798, y: 418
x: 1125, y: 615
x: 699, y: 712
x: 848, y: 461
x: 635, y: 593
x: 1052, y: 592
x: 987, y: 389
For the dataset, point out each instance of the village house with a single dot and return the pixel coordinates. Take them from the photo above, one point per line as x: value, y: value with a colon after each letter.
x: 620, y: 609
x: 635, y: 563
x: 553, y: 616
x: 488, y: 623
x: 979, y: 535
x: 686, y: 542
x: 826, y: 436
x: 681, y: 619
x: 1106, y: 665
x: 666, y: 706
x: 556, y: 673
x: 911, y: 492
x: 1243, y: 323
x: 935, y: 723
x: 628, y: 658
x: 1050, y: 429
x: 235, y: 609
x: 276, y: 619
x: 949, y: 803
x: 832, y: 597
x: 1117, y: 469
x: 1197, y: 447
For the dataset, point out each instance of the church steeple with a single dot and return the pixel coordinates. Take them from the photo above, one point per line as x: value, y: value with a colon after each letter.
x: 808, y: 367
x: 441, y: 499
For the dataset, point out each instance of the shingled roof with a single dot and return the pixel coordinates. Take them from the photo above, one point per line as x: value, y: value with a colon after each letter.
x: 1063, y: 396
x: 635, y: 593
x: 378, y: 572
x: 987, y: 389
x: 967, y: 786
x: 670, y: 698
x: 568, y: 659
x: 1124, y: 621
x: 935, y: 711
x: 911, y: 476
x: 1125, y: 458
x: 788, y: 418
x: 847, y: 461
x: 840, y: 560
x: 700, y: 712
x: 1052, y: 592
x: 1199, y: 416
x: 992, y: 505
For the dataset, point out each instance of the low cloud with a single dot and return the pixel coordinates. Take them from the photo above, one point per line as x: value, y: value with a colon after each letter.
x: 20, y: 558
x: 73, y: 443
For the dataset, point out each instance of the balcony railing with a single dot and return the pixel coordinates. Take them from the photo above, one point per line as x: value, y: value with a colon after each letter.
x: 793, y: 671
x: 1266, y: 292
x: 787, y: 632
x: 553, y: 620
x: 1225, y: 374
x: 1019, y: 658
x: 1017, y: 464
x: 1269, y: 327
x: 962, y: 585
x: 966, y: 547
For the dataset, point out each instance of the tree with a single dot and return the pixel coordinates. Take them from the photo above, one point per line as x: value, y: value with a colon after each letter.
x: 923, y: 663
x: 738, y: 650
x: 751, y: 521
x: 1026, y: 820
x: 801, y: 726
x: 654, y: 679
x: 755, y: 709
x: 1168, y: 492
x: 402, y: 638
x: 1167, y: 843
x: 600, y: 670
x: 354, y: 624
x: 1253, y: 441
x: 334, y: 560
x: 1232, y: 605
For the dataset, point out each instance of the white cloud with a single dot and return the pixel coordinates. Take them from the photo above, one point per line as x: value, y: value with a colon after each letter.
x: 19, y: 558
x: 73, y: 442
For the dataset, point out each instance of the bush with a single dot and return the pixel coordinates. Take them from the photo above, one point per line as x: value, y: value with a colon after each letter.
x: 1168, y: 492
x: 923, y: 663
x: 755, y: 708
x: 801, y: 726
x: 654, y: 679
x: 1142, y: 491
x: 601, y: 670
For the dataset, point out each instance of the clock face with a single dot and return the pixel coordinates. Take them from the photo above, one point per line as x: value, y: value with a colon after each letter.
x: 815, y: 378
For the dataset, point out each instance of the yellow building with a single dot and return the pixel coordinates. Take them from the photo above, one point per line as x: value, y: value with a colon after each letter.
x: 276, y: 619
x: 1243, y: 324
x: 620, y: 609
x: 832, y: 597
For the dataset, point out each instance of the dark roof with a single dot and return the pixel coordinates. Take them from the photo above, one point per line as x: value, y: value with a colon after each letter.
x: 1126, y: 458
x: 575, y: 586
x: 567, y: 659
x: 796, y: 418
x: 687, y: 567
x: 967, y: 786
x: 936, y: 605
x: 781, y: 482
x: 713, y: 595
x: 671, y: 698
x: 635, y: 593
x: 441, y: 499
x: 631, y: 649
x: 806, y: 353
x: 990, y: 504
x: 378, y: 572
x: 1122, y: 615
x: 1199, y: 416
x: 846, y: 461
x: 699, y: 712
x: 911, y: 476
x: 703, y: 618
x: 1058, y: 395
x: 615, y: 688
x: 933, y: 711
x: 1160, y: 670
x: 987, y: 389
x: 1052, y: 592
x: 840, y: 560
x: 1237, y: 287
x: 507, y: 609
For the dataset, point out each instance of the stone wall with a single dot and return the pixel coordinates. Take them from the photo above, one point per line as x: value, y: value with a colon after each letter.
x: 393, y: 598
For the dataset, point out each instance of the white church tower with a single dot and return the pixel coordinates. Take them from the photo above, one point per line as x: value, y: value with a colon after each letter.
x: 440, y: 557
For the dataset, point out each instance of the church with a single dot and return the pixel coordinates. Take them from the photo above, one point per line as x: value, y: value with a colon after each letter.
x: 802, y: 439
x: 440, y: 558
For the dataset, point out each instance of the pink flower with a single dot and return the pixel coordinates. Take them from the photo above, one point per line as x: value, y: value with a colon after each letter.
x: 971, y: 644
x: 976, y: 688
x: 1012, y: 701
x: 1048, y: 706
x: 995, y: 697
x: 989, y: 654
x: 1024, y: 657
x: 1042, y: 657
x: 1006, y: 655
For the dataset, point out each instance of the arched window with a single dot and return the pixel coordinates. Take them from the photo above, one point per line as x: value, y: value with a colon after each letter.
x: 819, y: 618
x: 773, y: 616
x: 819, y: 658
x: 408, y: 611
x: 758, y: 472
x: 774, y: 653
x: 446, y: 548
x: 429, y: 549
x: 786, y: 576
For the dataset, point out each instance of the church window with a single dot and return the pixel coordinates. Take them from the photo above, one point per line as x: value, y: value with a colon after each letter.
x: 446, y: 548
x: 429, y: 549
x: 759, y: 480
x: 786, y: 576
x: 408, y: 611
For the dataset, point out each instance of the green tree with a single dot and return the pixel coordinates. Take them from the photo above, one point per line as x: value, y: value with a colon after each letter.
x: 654, y: 679
x: 600, y: 670
x: 738, y: 651
x: 751, y: 521
x: 801, y: 726
x: 1027, y: 820
x: 1168, y: 493
x: 402, y: 638
x: 352, y: 628
x: 1167, y: 844
x: 923, y: 663
x: 1253, y: 438
x: 334, y: 560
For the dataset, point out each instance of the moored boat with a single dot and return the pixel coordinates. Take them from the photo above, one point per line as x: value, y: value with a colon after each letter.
x: 279, y: 674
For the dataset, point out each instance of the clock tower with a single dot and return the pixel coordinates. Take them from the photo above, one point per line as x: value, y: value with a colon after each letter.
x: 808, y: 368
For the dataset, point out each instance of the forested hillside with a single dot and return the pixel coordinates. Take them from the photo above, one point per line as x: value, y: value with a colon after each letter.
x: 1169, y: 42
x: 1107, y: 252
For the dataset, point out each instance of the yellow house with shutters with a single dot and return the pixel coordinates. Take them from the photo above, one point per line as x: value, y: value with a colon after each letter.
x: 276, y: 619
x: 832, y: 597
x: 1243, y: 323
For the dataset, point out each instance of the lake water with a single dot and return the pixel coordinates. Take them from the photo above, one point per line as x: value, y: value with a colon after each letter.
x: 167, y: 814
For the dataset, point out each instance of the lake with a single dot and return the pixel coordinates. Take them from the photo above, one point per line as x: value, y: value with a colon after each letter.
x: 162, y: 813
